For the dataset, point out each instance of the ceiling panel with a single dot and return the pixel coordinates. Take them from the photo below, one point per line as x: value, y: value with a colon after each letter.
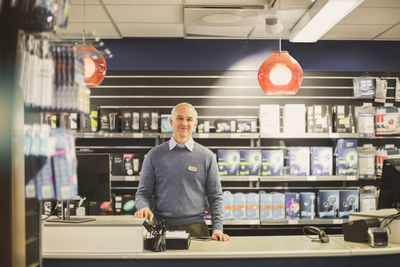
x: 86, y: 2
x: 381, y: 3
x: 225, y: 3
x: 369, y: 15
x: 143, y: 2
x: 94, y: 13
x: 146, y: 14
x: 392, y: 34
x: 102, y: 30
x: 151, y: 30
x: 354, y: 32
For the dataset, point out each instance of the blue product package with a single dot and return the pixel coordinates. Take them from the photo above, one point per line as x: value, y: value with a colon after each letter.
x: 292, y: 206
x: 228, y: 205
x: 239, y: 206
x: 272, y: 162
x: 321, y: 161
x: 328, y: 203
x: 250, y: 162
x: 346, y: 157
x: 228, y: 162
x: 299, y: 161
x: 307, y: 205
x: 265, y: 205
x: 252, y: 206
x: 278, y: 206
x: 348, y: 202
x: 45, y: 182
x: 165, y: 125
x: 64, y: 165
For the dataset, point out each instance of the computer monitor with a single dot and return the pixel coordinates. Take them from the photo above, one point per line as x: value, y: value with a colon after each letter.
x: 94, y: 183
x: 94, y: 176
x: 389, y: 196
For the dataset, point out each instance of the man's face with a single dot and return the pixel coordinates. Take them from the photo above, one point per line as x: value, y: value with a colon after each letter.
x: 183, y: 121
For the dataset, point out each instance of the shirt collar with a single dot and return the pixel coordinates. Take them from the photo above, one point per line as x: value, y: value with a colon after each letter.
x: 189, y: 144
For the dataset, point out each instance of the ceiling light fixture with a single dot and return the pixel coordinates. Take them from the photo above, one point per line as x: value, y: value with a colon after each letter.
x: 320, y: 18
x: 280, y: 74
x: 94, y: 64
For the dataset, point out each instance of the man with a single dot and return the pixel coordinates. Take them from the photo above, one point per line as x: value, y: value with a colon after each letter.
x: 180, y: 174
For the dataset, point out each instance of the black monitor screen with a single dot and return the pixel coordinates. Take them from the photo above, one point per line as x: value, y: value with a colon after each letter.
x: 94, y: 176
x: 389, y: 196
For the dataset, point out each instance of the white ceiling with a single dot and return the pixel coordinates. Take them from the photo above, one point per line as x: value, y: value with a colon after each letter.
x: 372, y: 20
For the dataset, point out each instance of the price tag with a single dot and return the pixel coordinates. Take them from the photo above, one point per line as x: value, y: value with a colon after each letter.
x: 204, y: 135
x: 293, y: 221
x: 236, y: 135
x: 334, y: 135
x: 88, y: 135
x: 130, y: 178
x: 351, y: 178
x: 137, y: 135
x: 311, y: 178
x: 337, y: 221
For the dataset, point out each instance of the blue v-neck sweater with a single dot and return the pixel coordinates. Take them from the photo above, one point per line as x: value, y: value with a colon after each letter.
x: 180, y: 180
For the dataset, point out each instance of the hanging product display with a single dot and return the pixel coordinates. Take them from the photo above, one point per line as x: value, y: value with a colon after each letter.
x: 95, y: 66
x: 280, y: 74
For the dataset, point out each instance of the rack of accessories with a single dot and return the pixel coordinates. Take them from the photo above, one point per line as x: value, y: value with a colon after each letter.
x: 318, y: 144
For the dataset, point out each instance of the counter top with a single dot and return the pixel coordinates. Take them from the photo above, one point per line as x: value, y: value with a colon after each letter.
x: 248, y: 247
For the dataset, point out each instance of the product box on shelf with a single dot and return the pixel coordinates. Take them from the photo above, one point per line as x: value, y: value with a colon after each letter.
x: 364, y: 87
x: 269, y: 117
x: 126, y: 164
x: 272, y: 162
x: 307, y: 205
x: 343, y: 120
x: 130, y: 121
x: 292, y: 205
x: 250, y: 162
x: 165, y: 125
x: 246, y: 125
x: 348, y: 202
x: 346, y: 157
x: 239, y: 206
x: 203, y: 126
x: 265, y: 205
x: 225, y: 126
x: 328, y: 203
x: 366, y: 162
x: 321, y: 119
x: 109, y: 120
x: 149, y: 121
x: 321, y: 161
x: 299, y: 161
x: 101, y: 208
x: 94, y: 120
x: 294, y: 119
x: 365, y: 118
x: 124, y: 205
x: 228, y: 205
x: 228, y: 162
x: 387, y: 120
x: 278, y: 206
x: 252, y: 206
x: 84, y: 121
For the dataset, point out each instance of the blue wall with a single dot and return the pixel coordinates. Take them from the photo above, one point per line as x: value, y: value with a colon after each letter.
x: 220, y: 55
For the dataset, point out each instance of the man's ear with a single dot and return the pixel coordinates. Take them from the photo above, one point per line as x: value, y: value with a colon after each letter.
x: 170, y: 120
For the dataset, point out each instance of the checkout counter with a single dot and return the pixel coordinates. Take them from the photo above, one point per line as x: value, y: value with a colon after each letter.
x: 118, y: 241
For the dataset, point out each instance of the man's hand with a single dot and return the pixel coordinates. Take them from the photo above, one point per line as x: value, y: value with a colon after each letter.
x: 144, y: 213
x: 220, y: 236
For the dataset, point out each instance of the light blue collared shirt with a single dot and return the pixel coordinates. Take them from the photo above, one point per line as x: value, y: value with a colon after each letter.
x: 189, y: 144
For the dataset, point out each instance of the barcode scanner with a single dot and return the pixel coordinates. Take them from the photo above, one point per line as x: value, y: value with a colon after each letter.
x: 322, y: 236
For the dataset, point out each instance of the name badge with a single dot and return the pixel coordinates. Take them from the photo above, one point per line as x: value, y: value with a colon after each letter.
x: 192, y: 168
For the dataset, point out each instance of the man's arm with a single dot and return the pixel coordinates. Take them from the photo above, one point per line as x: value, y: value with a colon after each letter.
x: 215, y: 199
x: 145, y: 190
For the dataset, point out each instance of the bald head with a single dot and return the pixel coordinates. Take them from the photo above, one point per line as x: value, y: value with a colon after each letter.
x: 183, y: 104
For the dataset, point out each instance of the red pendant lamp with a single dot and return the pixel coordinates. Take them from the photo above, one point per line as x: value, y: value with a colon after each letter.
x: 280, y: 74
x: 95, y: 66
